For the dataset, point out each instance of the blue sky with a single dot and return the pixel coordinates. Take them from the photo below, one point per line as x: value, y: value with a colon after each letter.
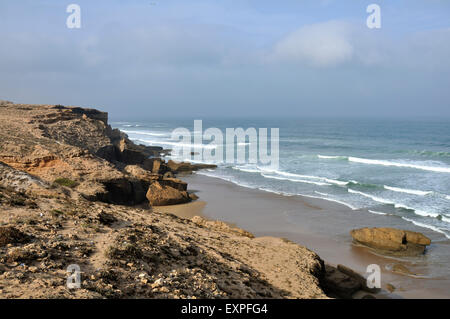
x: 229, y: 57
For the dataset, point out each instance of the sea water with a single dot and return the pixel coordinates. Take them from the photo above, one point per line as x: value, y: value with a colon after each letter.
x: 386, y: 167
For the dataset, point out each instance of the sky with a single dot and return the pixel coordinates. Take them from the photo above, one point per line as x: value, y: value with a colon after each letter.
x: 229, y: 58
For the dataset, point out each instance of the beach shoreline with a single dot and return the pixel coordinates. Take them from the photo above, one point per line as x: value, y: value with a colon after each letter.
x: 303, y: 220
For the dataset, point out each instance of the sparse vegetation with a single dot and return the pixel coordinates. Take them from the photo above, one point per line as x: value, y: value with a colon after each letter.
x: 56, y: 213
x: 65, y: 182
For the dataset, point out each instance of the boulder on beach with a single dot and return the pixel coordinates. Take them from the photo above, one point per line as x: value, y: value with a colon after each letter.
x: 338, y: 284
x: 392, y: 240
x: 175, y: 183
x: 162, y: 195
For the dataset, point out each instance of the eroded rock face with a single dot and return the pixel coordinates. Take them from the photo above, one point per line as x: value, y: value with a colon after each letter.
x: 187, y: 167
x: 55, y: 142
x: 339, y: 284
x: 391, y: 240
x: 175, y: 183
x: 49, y: 142
x: 162, y: 195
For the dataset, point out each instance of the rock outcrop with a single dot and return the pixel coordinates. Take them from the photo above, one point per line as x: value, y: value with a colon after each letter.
x: 391, y: 240
x: 162, y: 195
x: 55, y: 142
x: 130, y: 252
x: 343, y: 282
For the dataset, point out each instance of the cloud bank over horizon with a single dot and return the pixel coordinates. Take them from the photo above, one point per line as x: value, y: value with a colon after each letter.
x: 230, y: 58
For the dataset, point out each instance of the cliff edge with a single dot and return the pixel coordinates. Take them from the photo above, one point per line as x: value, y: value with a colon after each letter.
x: 69, y: 186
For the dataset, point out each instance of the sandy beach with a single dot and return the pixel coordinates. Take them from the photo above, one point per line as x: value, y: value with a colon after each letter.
x: 321, y: 226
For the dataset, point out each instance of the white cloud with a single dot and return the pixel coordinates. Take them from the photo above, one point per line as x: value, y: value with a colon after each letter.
x: 320, y: 44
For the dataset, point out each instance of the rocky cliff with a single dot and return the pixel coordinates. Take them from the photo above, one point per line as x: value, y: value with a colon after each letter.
x: 76, y: 146
x: 69, y: 184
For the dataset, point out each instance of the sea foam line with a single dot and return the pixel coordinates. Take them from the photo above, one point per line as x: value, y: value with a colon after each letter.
x: 146, y: 133
x: 396, y: 205
x: 407, y: 191
x: 208, y: 146
x: 295, y: 180
x: 396, y: 164
x: 372, y: 197
x: 300, y: 177
x: 332, y: 157
x: 437, y: 169
x: 427, y: 226
x: 377, y: 213
x: 279, y: 193
x: 333, y: 200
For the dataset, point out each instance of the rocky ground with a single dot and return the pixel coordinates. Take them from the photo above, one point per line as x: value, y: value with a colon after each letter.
x: 75, y: 191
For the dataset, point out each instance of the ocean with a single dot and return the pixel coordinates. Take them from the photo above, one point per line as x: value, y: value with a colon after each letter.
x: 387, y: 167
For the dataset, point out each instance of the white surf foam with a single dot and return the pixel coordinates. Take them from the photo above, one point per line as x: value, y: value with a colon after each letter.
x: 445, y: 219
x: 295, y: 177
x: 438, y: 169
x: 228, y: 179
x: 377, y: 213
x: 179, y: 144
x: 374, y: 198
x: 417, y: 211
x: 331, y: 157
x: 146, y: 133
x: 300, y: 176
x: 427, y: 226
x: 275, y: 192
x: 295, y: 180
x: 396, y: 205
x: 326, y: 197
x: 246, y: 169
x: 407, y: 191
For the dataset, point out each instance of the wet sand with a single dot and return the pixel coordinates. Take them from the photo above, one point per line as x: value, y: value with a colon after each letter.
x: 323, y: 227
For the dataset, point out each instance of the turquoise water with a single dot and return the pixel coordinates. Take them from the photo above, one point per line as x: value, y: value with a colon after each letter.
x: 389, y: 167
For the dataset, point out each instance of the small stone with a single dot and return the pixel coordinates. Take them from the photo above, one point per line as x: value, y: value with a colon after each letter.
x: 33, y: 269
x: 159, y: 282
x: 390, y: 287
x: 399, y: 268
x: 164, y: 289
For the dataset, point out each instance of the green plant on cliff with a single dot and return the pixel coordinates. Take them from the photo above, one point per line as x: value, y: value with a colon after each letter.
x: 65, y: 182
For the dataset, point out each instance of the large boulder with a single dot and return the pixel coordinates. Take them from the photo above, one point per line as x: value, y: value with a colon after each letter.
x: 338, y: 284
x: 392, y: 240
x: 141, y: 174
x: 175, y: 183
x: 128, y: 154
x: 162, y: 195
